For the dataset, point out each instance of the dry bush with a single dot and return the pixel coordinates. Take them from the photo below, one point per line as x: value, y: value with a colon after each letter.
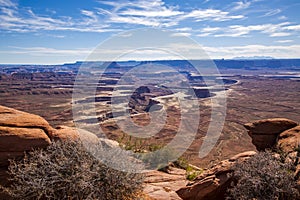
x: 263, y: 177
x: 68, y: 171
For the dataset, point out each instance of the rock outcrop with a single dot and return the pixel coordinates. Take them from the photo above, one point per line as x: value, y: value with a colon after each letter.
x: 289, y: 143
x: 140, y: 101
x: 19, y: 132
x: 163, y: 185
x: 213, y: 183
x: 289, y: 140
x: 264, y: 133
x: 65, y: 132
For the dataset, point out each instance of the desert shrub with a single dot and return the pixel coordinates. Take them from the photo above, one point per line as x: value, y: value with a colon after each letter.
x: 263, y: 177
x: 68, y: 171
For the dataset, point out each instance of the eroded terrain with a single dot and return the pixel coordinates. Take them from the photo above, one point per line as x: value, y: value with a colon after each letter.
x: 251, y: 95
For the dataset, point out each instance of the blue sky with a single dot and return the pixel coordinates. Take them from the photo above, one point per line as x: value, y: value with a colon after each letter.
x: 50, y: 32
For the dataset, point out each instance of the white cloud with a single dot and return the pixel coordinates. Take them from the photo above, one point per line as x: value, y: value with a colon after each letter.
x: 290, y: 51
x: 7, y: 3
x: 280, y: 34
x: 273, y: 30
x: 152, y: 13
x: 91, y: 17
x: 282, y: 17
x: 156, y: 13
x: 16, y: 20
x: 208, y: 31
x: 241, y: 5
x: 37, y: 51
x: 142, y: 12
x: 292, y: 28
x: 184, y: 29
x: 272, y: 12
x: 284, y: 41
x: 181, y: 34
x: 135, y: 20
x: 211, y: 14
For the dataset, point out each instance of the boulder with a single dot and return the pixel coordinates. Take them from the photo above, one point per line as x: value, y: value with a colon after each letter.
x: 19, y: 132
x: 14, y: 118
x: 64, y: 132
x: 264, y: 133
x: 213, y: 183
x: 289, y: 140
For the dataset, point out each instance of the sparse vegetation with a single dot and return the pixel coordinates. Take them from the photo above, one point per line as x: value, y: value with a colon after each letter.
x: 191, y: 172
x: 182, y: 163
x: 137, y: 145
x: 155, y: 156
x: 263, y: 177
x: 68, y: 171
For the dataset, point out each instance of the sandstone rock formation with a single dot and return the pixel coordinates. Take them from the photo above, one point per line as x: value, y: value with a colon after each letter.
x: 289, y: 140
x: 264, y: 133
x: 140, y: 101
x: 289, y: 143
x: 213, y: 183
x: 19, y: 132
x: 65, y: 132
x: 281, y: 133
x: 163, y: 185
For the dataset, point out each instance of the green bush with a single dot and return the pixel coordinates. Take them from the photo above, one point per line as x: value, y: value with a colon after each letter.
x: 68, y: 171
x: 263, y: 177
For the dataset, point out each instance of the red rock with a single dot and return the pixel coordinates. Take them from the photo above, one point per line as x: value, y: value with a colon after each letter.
x: 64, y: 133
x: 14, y: 118
x: 264, y: 133
x: 20, y: 132
x: 213, y: 183
x: 163, y: 185
x: 289, y: 140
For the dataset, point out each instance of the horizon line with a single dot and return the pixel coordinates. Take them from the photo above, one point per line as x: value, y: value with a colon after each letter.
x: 214, y: 59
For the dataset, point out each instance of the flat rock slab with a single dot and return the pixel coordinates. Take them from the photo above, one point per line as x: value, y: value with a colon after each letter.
x: 163, y: 186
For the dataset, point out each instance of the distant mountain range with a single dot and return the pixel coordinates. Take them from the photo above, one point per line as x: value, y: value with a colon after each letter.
x: 181, y: 65
x: 253, y: 58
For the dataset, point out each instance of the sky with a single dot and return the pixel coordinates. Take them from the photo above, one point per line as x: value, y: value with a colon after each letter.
x: 56, y: 32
